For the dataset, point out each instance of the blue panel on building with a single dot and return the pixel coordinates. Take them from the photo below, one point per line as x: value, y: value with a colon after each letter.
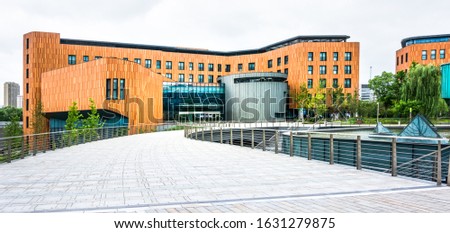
x: 445, y: 81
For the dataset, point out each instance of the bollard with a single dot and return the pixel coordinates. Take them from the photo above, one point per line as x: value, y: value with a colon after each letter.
x: 276, y: 142
x: 264, y: 140
x: 394, y: 157
x: 331, y: 149
x: 358, y: 152
x: 439, y: 165
x: 291, y: 144
x: 253, y: 139
x: 212, y: 135
x: 221, y: 136
x: 231, y: 136
x: 242, y: 137
x: 309, y: 147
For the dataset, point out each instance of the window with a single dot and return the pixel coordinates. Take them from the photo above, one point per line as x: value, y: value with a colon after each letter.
x: 269, y: 63
x: 286, y: 60
x: 125, y: 58
x: 433, y: 54
x: 323, y: 69
x: 27, y: 73
x: 348, y: 56
x: 85, y: 58
x: 137, y: 60
x: 191, y: 66
x: 210, y: 79
x: 310, y: 69
x: 27, y: 122
x: 28, y: 59
x: 72, y: 59
x: 278, y: 71
x: 180, y: 77
x: 406, y: 57
x: 158, y: 64
x: 122, y: 89
x: 210, y: 67
x: 27, y: 88
x: 310, y: 83
x: 335, y: 56
x: 227, y: 68
x: 27, y: 104
x: 191, y: 78
x: 251, y: 66
x: 441, y: 54
x: 347, y: 83
x: 401, y: 59
x: 310, y: 56
x: 397, y: 61
x: 323, y: 56
x: 279, y: 61
x: 201, y: 78
x: 323, y: 83
x: 424, y: 55
x: 28, y: 43
x: 180, y: 65
x: 115, y: 88
x: 335, y: 69
x: 169, y: 75
x: 201, y: 66
x: 168, y: 65
x: 97, y: 57
x: 347, y: 69
x: 239, y: 67
x: 108, y: 89
x: 148, y: 63
x: 335, y: 83
x: 219, y: 67
x: 286, y: 70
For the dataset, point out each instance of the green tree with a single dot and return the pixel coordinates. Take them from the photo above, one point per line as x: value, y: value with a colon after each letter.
x: 92, y: 122
x: 38, y: 122
x: 73, y: 123
x: 7, y: 112
x: 423, y: 84
x: 338, y: 98
x: 302, y: 98
x: 318, y: 103
x: 14, y: 129
x: 387, y: 87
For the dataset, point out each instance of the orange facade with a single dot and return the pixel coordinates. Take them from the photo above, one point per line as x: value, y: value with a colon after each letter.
x: 49, y: 77
x: 436, y: 53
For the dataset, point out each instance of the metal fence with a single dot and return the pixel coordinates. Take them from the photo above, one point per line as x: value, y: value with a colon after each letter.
x: 386, y: 154
x: 19, y: 147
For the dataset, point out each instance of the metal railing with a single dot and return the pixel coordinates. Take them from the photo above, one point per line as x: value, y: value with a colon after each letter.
x: 19, y: 147
x: 388, y: 154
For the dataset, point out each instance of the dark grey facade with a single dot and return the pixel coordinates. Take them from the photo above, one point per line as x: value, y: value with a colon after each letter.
x: 252, y: 97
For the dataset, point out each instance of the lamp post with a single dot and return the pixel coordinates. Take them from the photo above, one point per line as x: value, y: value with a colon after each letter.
x: 378, y: 110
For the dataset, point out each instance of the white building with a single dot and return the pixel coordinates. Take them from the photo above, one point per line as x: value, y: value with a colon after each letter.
x: 367, y: 93
x: 10, y: 93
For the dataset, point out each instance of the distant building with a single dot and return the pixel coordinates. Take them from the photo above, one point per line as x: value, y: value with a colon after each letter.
x: 19, y: 101
x: 367, y: 93
x: 11, y: 91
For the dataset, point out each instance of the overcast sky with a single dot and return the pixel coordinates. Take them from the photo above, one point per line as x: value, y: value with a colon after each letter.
x: 222, y: 25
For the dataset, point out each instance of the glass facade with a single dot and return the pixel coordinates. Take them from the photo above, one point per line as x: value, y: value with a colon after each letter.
x: 193, y: 101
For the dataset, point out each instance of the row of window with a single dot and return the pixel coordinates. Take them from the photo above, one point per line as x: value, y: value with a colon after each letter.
x: 433, y: 53
x: 115, y: 89
x: 323, y: 56
x: 200, y: 78
x: 323, y: 69
x: 335, y: 84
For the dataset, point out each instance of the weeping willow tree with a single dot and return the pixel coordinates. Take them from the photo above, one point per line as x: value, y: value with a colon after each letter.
x: 423, y: 84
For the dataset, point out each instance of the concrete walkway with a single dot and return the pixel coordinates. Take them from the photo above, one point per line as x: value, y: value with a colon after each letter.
x: 164, y: 172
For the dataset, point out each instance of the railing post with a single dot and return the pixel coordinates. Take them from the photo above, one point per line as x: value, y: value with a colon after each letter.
x: 212, y: 135
x: 358, y: 152
x: 291, y: 144
x: 276, y: 142
x: 23, y: 148
x: 264, y: 140
x: 196, y: 133
x: 309, y: 147
x: 394, y: 157
x: 203, y: 134
x: 253, y: 139
x: 448, y: 172
x: 331, y: 149
x: 44, y: 142
x: 439, y: 164
x: 9, y: 150
x: 221, y: 136
x: 35, y: 145
x: 242, y: 137
x: 231, y: 136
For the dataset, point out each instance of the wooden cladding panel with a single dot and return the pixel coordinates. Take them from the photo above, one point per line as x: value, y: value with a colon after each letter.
x: 415, y: 55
